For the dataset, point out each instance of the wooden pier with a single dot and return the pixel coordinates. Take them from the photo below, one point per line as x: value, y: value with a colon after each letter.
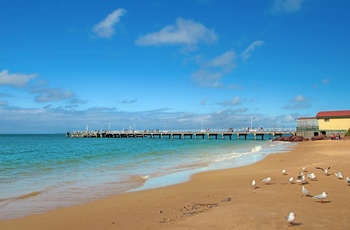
x: 215, y: 134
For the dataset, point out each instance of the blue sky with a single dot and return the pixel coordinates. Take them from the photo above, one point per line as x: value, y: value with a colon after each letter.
x: 170, y: 64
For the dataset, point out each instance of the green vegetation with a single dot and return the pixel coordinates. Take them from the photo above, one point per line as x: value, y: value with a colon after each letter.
x: 347, y: 133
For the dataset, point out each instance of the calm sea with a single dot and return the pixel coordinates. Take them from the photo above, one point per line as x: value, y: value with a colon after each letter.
x: 44, y: 172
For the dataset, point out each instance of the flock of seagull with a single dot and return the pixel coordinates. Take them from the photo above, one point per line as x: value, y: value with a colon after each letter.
x: 301, y: 179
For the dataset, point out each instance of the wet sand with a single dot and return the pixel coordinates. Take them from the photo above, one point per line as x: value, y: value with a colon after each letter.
x: 223, y: 199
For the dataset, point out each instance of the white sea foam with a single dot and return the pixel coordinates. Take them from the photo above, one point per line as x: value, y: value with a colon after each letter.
x: 256, y: 148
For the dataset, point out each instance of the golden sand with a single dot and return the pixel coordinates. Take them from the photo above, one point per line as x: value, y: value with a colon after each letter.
x: 224, y: 199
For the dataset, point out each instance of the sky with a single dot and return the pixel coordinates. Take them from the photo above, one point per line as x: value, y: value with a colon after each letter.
x: 170, y: 64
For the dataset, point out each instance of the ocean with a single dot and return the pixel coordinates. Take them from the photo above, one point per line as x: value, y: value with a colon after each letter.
x: 39, y: 173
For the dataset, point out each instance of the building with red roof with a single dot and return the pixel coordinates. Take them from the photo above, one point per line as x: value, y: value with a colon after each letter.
x: 331, y: 122
x: 325, y: 122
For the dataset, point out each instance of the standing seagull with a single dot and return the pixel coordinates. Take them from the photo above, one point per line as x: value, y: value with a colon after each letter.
x: 347, y: 180
x: 320, y: 196
x: 254, y: 184
x: 301, y: 180
x: 301, y: 174
x: 305, y: 191
x: 266, y: 180
x: 324, y: 170
x: 290, y: 219
x: 291, y: 180
x: 284, y: 172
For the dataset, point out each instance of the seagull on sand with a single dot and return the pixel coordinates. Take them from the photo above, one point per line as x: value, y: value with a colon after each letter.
x: 301, y: 180
x: 304, y: 169
x: 301, y: 174
x: 291, y: 180
x: 324, y: 170
x: 305, y: 191
x: 254, y: 184
x: 284, y: 172
x: 339, y: 175
x: 347, y: 180
x: 312, y: 176
x: 290, y: 219
x: 321, y: 196
x: 266, y: 180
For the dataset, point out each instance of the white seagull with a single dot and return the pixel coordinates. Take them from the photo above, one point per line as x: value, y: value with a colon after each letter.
x: 324, y: 170
x: 305, y: 191
x: 312, y: 176
x: 290, y: 219
x: 301, y: 174
x: 339, y: 175
x: 347, y: 180
x: 321, y: 197
x: 301, y: 180
x: 291, y: 180
x: 266, y: 180
x: 284, y: 172
x: 254, y: 184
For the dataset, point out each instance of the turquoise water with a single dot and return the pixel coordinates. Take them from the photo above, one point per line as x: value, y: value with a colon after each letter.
x: 44, y: 172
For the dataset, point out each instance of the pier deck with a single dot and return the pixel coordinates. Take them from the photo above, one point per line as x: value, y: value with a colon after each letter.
x: 184, y: 134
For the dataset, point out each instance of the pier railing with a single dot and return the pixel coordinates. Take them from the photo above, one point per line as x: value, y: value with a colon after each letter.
x: 182, y: 134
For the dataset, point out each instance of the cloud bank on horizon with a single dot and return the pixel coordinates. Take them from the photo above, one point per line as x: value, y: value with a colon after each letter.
x: 147, y: 65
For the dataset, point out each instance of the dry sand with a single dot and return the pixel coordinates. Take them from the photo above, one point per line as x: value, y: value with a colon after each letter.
x: 223, y: 199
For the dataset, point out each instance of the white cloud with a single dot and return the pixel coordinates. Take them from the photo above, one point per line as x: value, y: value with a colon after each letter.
x: 324, y: 82
x: 233, y: 102
x: 105, y: 28
x: 299, y: 102
x: 298, y: 106
x: 247, y: 52
x: 300, y: 98
x: 51, y: 119
x: 184, y: 32
x: 15, y: 80
x: 126, y: 101
x: 211, y: 72
x: 3, y: 103
x: 206, y: 78
x: 46, y: 94
x: 288, y: 6
x: 225, y: 61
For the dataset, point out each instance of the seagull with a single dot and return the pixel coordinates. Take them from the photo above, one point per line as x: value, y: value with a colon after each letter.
x: 347, y: 180
x: 305, y: 191
x: 291, y: 180
x: 290, y: 219
x: 284, y: 172
x: 254, y: 184
x: 320, y: 196
x: 339, y: 175
x: 266, y: 180
x: 324, y: 170
x: 304, y: 169
x: 312, y: 176
x: 301, y: 180
x: 301, y: 174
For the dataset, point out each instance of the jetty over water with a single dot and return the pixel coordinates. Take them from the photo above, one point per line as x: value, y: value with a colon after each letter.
x: 183, y: 134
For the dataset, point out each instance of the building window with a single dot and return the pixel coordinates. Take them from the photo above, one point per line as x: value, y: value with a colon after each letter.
x: 326, y: 120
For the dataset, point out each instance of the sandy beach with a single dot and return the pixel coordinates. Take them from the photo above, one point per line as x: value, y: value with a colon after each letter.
x: 224, y: 199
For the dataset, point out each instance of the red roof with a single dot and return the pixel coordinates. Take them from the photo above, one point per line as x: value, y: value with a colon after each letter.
x: 339, y: 113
